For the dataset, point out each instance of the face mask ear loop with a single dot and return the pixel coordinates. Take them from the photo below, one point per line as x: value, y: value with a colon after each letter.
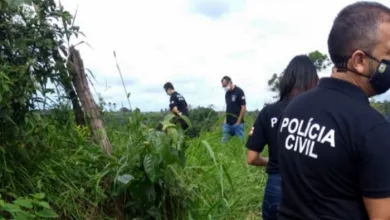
x: 342, y: 67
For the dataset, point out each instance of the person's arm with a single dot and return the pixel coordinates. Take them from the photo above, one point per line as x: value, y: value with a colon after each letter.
x: 242, y: 102
x: 256, y: 142
x: 254, y: 158
x: 175, y: 110
x: 226, y: 103
x: 374, y: 152
x: 173, y: 101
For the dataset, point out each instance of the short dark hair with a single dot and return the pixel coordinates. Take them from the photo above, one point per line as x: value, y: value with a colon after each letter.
x: 355, y: 28
x: 226, y: 78
x: 299, y: 74
x: 168, y: 85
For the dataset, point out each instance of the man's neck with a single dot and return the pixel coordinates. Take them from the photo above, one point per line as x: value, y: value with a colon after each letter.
x: 353, y: 79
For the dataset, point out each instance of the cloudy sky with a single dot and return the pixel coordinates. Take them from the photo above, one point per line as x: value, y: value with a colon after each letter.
x: 194, y: 43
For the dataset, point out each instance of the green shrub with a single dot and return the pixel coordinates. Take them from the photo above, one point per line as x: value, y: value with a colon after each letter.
x: 203, y: 119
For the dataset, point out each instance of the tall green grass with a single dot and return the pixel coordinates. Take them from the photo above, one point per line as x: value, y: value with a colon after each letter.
x: 226, y: 186
x: 222, y: 184
x: 150, y: 175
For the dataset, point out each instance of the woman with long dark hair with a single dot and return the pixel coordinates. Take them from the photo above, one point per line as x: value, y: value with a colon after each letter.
x: 299, y: 76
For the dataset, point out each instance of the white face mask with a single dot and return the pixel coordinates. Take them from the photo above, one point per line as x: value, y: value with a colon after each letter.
x: 227, y: 88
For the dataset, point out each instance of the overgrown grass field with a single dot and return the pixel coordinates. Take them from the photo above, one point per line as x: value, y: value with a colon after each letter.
x: 58, y: 172
x: 224, y: 186
x: 227, y: 186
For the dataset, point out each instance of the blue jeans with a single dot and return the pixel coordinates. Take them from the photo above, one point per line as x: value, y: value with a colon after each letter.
x: 232, y: 130
x: 272, y: 196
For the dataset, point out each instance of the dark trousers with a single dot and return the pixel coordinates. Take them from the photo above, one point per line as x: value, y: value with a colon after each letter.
x: 183, y: 124
x: 272, y: 196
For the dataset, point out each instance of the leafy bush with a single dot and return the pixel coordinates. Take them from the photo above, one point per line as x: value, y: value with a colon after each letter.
x: 31, y: 207
x: 148, y: 176
x: 142, y: 178
x: 202, y: 119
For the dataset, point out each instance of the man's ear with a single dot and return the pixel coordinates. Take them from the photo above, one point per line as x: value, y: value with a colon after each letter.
x: 358, y: 61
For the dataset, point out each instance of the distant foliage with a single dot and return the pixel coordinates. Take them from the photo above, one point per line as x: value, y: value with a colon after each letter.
x: 203, y: 119
x: 124, y: 109
x: 381, y: 106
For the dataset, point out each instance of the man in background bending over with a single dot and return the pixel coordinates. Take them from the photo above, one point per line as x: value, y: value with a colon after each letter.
x: 235, y: 110
x: 177, y: 104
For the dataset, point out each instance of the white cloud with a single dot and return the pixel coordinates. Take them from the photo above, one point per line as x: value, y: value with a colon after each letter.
x: 158, y: 41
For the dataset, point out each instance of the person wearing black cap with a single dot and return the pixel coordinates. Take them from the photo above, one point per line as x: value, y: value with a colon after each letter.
x: 235, y: 110
x: 334, y: 148
x: 177, y: 104
x: 299, y: 76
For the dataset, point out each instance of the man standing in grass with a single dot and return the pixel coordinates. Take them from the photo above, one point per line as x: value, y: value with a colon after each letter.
x: 235, y: 110
x: 177, y: 104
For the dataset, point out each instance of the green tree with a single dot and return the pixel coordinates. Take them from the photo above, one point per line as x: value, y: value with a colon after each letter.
x: 30, y: 57
x: 202, y: 119
x: 320, y: 60
x: 381, y: 106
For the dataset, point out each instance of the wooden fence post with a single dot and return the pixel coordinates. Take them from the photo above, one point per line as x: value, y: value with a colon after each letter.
x: 91, y: 109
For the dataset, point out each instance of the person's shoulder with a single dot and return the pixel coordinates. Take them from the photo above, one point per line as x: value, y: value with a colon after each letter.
x: 377, y: 132
x: 371, y: 116
x: 306, y: 95
x: 265, y: 109
x: 276, y: 107
x: 367, y: 114
x: 314, y: 96
x: 360, y: 115
x: 239, y: 89
x: 269, y: 107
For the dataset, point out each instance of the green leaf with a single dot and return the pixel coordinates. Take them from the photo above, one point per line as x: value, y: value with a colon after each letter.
x: 172, y: 133
x: 166, y: 125
x: 187, y: 120
x: 210, y: 150
x: 169, y: 117
x: 44, y: 204
x: 23, y: 216
x: 11, y: 208
x: 23, y: 203
x: 125, y: 179
x: 47, y: 213
x: 152, y: 167
x: 38, y: 195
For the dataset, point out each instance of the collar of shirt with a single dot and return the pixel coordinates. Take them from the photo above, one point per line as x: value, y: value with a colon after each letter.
x: 344, y: 87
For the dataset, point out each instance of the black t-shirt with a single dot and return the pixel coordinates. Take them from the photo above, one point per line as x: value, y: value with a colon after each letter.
x: 264, y: 132
x: 334, y: 150
x: 179, y: 101
x: 234, y: 100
